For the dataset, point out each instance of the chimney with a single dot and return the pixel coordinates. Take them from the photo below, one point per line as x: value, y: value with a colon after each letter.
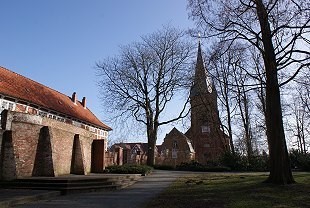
x: 84, y: 102
x: 74, y: 98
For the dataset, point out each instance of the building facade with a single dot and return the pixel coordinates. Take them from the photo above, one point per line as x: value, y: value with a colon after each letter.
x: 46, y: 133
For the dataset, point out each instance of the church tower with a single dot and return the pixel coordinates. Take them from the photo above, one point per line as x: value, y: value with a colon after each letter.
x: 208, y: 140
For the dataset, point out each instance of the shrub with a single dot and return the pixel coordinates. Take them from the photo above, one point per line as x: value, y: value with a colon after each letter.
x: 238, y: 162
x: 234, y: 161
x: 164, y: 167
x: 258, y: 163
x: 300, y: 161
x: 129, y: 169
x: 196, y: 166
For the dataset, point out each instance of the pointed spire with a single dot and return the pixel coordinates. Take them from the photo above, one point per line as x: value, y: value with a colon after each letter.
x: 202, y: 81
x: 199, y: 85
x: 199, y: 63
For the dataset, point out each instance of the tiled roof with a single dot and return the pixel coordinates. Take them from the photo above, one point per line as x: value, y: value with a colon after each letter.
x: 24, y: 89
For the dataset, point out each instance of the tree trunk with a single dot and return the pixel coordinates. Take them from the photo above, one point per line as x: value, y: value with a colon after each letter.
x: 280, y: 169
x: 151, y: 152
x: 152, y: 137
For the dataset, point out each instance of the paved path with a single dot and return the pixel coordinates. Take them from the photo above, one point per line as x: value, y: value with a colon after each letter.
x: 134, y: 196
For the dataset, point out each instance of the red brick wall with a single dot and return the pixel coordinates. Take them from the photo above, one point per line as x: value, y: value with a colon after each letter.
x: 62, y: 145
x: 25, y: 140
x: 26, y: 129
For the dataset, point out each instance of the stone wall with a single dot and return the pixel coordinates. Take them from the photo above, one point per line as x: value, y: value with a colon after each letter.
x: 39, y: 146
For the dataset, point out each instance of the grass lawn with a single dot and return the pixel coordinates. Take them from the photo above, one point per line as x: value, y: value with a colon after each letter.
x: 234, y: 190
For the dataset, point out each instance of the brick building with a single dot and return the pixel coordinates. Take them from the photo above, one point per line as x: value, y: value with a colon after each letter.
x: 175, y: 149
x: 208, y: 140
x: 46, y: 133
x: 131, y: 153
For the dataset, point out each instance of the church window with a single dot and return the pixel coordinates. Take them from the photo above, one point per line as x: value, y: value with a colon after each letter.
x: 175, y: 145
x: 205, y: 129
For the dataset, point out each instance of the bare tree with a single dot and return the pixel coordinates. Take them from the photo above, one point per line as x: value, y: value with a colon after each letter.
x: 145, y: 77
x: 243, y: 103
x: 304, y: 91
x: 223, y: 66
x: 260, y: 91
x: 277, y: 29
x: 232, y: 71
x: 300, y: 127
x: 298, y: 118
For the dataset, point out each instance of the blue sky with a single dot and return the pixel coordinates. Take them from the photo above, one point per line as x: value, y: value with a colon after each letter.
x: 58, y: 42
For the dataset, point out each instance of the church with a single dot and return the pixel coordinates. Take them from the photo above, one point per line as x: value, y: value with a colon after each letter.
x: 206, y: 140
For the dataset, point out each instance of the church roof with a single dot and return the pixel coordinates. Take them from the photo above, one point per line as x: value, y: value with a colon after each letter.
x: 24, y: 89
